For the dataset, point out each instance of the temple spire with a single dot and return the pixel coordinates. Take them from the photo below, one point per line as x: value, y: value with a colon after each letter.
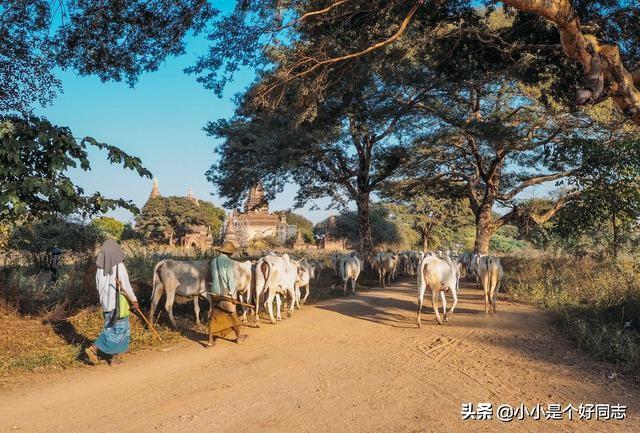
x: 256, y: 202
x: 155, y: 191
x: 230, y: 231
x: 191, y: 196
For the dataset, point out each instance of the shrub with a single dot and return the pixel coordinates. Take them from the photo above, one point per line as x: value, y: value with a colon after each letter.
x: 35, y: 240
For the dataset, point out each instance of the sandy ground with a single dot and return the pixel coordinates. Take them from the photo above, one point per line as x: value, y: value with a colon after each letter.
x: 355, y: 364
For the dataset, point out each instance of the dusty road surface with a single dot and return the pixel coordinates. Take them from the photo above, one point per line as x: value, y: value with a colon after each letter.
x: 355, y: 364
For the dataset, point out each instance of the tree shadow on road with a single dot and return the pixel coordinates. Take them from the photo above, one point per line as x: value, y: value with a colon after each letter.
x: 395, y: 310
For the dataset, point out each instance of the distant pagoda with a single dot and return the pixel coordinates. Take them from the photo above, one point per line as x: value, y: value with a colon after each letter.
x: 230, y: 234
x: 255, y: 221
x: 256, y: 202
x: 155, y: 191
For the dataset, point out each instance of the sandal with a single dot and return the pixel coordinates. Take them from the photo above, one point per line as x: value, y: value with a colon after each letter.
x: 93, y: 356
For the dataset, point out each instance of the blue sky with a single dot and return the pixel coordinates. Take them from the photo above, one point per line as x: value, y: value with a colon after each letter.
x: 160, y: 120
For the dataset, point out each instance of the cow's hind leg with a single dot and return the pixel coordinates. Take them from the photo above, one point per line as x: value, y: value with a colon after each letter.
x: 495, y: 296
x: 298, y: 296
x: 485, y: 288
x: 278, y: 307
x: 168, y: 306
x: 244, y: 311
x: 420, y: 299
x: 270, y: 296
x: 454, y: 294
x: 443, y: 298
x: 256, y: 310
x: 492, y: 297
x: 434, y: 299
x: 196, y: 309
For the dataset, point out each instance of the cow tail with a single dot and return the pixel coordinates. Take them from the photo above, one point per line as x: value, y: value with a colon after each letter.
x: 154, y: 283
x: 343, y: 268
x: 252, y: 289
x: 265, y: 268
x: 492, y: 275
x: 156, y: 268
x: 421, y: 280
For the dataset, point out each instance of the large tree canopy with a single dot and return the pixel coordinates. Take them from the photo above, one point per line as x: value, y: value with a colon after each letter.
x: 587, y: 47
x: 590, y: 47
x: 481, y: 93
x: 112, y: 39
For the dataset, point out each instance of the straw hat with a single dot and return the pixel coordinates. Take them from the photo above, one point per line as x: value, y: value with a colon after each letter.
x: 227, y: 248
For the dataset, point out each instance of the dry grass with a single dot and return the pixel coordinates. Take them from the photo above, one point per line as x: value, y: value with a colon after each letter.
x: 597, y: 304
x: 54, y: 341
x: 26, y: 343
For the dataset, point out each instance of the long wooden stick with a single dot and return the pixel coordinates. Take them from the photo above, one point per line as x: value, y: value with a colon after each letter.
x: 224, y: 298
x: 148, y: 323
x: 137, y: 309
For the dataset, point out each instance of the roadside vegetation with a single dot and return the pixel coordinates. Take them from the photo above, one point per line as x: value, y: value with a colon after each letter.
x: 595, y: 303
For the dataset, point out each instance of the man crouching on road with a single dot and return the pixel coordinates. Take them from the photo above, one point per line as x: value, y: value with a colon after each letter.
x: 223, y: 288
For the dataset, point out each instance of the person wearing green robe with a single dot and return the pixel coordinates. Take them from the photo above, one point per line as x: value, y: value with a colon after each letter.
x: 223, y: 313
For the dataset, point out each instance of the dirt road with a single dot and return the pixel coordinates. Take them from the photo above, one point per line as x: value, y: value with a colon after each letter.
x: 355, y: 364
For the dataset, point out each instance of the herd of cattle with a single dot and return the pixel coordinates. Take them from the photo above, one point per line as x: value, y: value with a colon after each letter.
x: 280, y: 278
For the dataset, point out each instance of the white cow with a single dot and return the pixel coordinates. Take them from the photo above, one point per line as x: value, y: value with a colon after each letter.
x: 335, y: 262
x: 439, y: 275
x: 475, y: 266
x: 415, y: 259
x: 394, y: 261
x: 385, y: 265
x: 350, y: 268
x: 275, y: 275
x: 303, y: 280
x: 318, y: 266
x: 465, y: 259
x: 490, y: 273
x: 243, y: 276
x: 189, y: 279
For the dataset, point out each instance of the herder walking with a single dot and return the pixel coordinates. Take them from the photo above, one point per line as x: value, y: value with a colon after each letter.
x: 54, y: 263
x: 222, y: 290
x: 110, y: 276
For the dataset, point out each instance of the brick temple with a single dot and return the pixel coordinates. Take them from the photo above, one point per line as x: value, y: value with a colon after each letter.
x: 255, y: 221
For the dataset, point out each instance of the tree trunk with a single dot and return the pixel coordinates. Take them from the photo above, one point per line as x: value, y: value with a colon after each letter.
x: 484, y: 232
x: 615, y: 235
x: 364, y: 223
x: 425, y: 241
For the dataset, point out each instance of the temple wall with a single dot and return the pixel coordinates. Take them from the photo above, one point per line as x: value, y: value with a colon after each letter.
x: 260, y: 231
